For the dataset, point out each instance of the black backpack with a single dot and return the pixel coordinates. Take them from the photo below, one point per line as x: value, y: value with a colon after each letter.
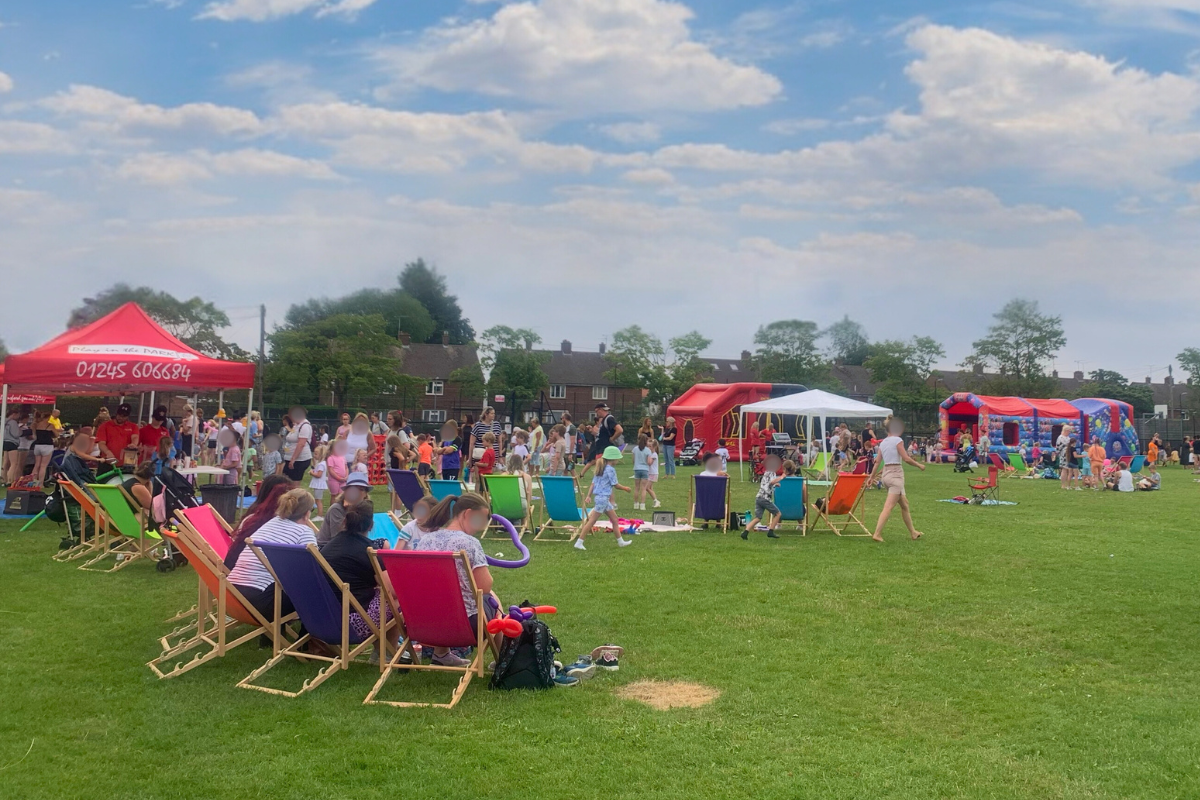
x: 527, y: 662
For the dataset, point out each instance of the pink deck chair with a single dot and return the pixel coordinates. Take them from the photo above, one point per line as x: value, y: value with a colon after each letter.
x: 210, y: 526
x: 427, y: 597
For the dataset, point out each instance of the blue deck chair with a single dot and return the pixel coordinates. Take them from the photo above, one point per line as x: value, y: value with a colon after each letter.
x: 304, y: 576
x: 442, y: 489
x: 709, y: 500
x: 407, y: 486
x: 791, y: 498
x: 386, y: 527
x: 1136, y: 465
x: 560, y: 507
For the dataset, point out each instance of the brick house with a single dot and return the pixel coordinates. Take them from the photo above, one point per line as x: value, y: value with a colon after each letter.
x: 577, y: 382
x: 442, y: 397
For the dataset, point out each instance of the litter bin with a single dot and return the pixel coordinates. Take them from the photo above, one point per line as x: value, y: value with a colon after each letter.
x: 223, y: 497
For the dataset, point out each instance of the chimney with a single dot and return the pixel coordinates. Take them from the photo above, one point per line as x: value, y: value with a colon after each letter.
x: 1169, y: 380
x: 1078, y: 375
x: 1054, y: 374
x: 746, y: 357
x: 566, y: 347
x: 1147, y: 380
x: 405, y: 339
x: 978, y: 369
x: 602, y: 348
x: 445, y: 338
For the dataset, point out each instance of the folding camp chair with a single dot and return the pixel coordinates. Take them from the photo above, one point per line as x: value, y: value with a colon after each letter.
x: 304, y: 576
x: 132, y: 542
x: 207, y: 523
x: 1018, y: 465
x: 427, y: 597
x: 1136, y: 464
x: 791, y: 498
x: 708, y: 499
x: 844, y: 499
x: 215, y: 623
x: 506, y: 494
x: 87, y: 508
x: 408, y: 486
x: 560, y: 507
x: 986, y: 490
x: 441, y: 489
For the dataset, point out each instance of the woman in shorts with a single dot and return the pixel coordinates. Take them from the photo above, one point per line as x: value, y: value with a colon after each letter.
x: 892, y: 456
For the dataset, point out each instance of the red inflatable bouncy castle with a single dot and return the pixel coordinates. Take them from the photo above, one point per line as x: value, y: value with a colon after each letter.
x: 709, y: 412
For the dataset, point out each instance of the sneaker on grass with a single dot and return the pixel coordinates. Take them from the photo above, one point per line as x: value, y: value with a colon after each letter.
x: 607, y: 657
x: 583, y: 668
x: 623, y: 542
x: 579, y: 544
x: 565, y: 680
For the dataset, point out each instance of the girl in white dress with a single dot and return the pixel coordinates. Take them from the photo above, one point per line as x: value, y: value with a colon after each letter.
x: 319, y: 482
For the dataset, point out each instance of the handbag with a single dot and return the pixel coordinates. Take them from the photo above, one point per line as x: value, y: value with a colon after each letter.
x: 477, y: 453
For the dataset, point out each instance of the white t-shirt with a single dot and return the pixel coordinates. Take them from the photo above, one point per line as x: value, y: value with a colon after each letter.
x: 723, y: 452
x: 249, y: 571
x: 300, y: 431
x: 1125, y: 482
x: 888, y: 451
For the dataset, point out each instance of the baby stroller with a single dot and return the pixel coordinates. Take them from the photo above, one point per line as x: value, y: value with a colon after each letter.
x: 962, y: 462
x: 176, y: 493
x: 690, y: 455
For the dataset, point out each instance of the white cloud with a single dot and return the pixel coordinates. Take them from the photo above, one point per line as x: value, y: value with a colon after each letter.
x: 6, y: 83
x: 582, y: 55
x: 632, y: 132
x: 790, y: 127
x: 649, y: 177
x: 822, y: 40
x: 266, y: 10
x: 32, y: 137
x: 169, y: 169
x: 128, y: 115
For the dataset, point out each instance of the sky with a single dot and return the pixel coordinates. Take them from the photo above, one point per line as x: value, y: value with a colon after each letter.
x: 577, y: 166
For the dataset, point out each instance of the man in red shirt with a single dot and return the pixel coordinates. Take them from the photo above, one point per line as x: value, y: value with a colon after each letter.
x: 152, y: 433
x: 116, y: 434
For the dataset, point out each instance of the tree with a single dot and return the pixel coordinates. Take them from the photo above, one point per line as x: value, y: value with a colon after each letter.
x: 1113, y: 386
x: 688, y: 368
x: 1189, y: 362
x: 637, y: 358
x: 848, y: 341
x: 514, y: 367
x: 400, y: 311
x: 787, y: 353
x: 1019, y: 346
x: 499, y: 338
x: 429, y: 288
x: 194, y: 322
x: 901, y: 368
x: 346, y: 355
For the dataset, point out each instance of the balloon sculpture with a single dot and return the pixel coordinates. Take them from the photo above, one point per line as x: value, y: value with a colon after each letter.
x: 510, y: 625
x: 512, y: 532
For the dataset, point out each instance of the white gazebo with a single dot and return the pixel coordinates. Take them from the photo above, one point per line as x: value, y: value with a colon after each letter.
x: 813, y: 404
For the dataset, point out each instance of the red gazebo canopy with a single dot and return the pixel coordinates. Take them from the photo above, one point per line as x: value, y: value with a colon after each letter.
x: 124, y: 351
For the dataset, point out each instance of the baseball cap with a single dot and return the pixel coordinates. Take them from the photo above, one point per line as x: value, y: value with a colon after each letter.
x: 124, y: 410
x: 602, y: 405
x: 359, y: 480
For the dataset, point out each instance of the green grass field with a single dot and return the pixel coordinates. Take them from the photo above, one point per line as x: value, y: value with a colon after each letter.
x: 1046, y: 650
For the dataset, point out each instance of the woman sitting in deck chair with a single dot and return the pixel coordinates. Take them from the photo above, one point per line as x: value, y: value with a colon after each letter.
x: 290, y: 525
x: 892, y: 455
x: 452, y: 526
x: 347, y: 555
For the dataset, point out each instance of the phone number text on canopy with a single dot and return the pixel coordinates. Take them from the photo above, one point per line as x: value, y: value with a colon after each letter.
x: 137, y: 370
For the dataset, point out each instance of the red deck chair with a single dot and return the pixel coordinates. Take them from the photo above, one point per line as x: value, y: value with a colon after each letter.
x: 427, y: 597
x: 986, y: 490
x: 214, y: 624
x: 844, y: 499
x: 1000, y: 463
x: 860, y: 466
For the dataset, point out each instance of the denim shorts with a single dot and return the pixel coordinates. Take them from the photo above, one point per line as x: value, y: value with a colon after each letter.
x: 641, y: 474
x: 602, y: 505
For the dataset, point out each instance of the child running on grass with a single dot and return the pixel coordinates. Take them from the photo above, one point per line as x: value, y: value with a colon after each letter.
x: 600, y: 495
x: 764, y: 501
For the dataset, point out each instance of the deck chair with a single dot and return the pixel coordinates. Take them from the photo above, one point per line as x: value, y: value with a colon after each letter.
x: 1000, y: 464
x: 986, y: 490
x: 1127, y: 461
x: 708, y: 499
x: 442, y: 489
x: 131, y: 542
x: 406, y: 485
x: 427, y: 597
x: 221, y: 609
x: 1136, y: 464
x: 860, y: 466
x: 324, y: 610
x: 791, y: 498
x: 820, y: 466
x: 87, y: 508
x: 207, y: 523
x: 387, y: 526
x: 560, y: 507
x: 1018, y: 465
x: 506, y: 494
x: 844, y: 499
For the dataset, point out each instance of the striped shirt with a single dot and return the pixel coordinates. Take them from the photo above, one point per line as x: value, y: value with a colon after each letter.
x: 493, y: 427
x: 249, y: 571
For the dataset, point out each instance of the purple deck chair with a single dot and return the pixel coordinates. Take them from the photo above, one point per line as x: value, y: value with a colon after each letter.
x: 407, y: 486
x: 305, y: 577
x: 710, y: 499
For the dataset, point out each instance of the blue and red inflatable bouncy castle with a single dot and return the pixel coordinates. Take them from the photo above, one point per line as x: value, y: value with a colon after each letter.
x: 1010, y: 422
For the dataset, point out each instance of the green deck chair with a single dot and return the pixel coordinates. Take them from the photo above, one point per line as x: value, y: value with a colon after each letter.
x: 506, y: 493
x: 441, y: 489
x: 560, y: 508
x: 123, y: 525
x: 1018, y: 464
x: 819, y: 468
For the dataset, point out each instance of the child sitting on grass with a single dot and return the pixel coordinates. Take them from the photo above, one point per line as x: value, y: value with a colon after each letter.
x: 764, y: 501
x: 1153, y: 480
x: 600, y: 495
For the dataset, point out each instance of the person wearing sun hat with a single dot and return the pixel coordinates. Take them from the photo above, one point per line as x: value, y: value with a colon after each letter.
x: 600, y: 494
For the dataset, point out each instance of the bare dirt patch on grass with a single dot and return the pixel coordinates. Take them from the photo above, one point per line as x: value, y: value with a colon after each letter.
x: 665, y: 695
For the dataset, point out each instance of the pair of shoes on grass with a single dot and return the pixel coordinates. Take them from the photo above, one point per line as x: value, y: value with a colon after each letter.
x: 621, y: 542
x: 770, y: 534
x: 605, y: 657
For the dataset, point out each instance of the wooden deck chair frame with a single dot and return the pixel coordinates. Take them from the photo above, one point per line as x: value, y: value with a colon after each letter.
x: 523, y: 524
x: 215, y: 632
x: 819, y: 469
x: 87, y: 507
x: 820, y: 515
x: 345, y: 652
x: 1014, y: 471
x: 483, y: 643
x: 551, y: 524
x: 128, y: 548
x: 202, y: 608
x: 1002, y: 464
x: 691, y: 506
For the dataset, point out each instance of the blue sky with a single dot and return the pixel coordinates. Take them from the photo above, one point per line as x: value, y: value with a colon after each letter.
x: 582, y: 165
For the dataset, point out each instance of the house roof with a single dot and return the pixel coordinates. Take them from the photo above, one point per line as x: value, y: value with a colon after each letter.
x: 576, y: 368
x: 729, y: 370
x: 435, y: 361
x: 856, y: 381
